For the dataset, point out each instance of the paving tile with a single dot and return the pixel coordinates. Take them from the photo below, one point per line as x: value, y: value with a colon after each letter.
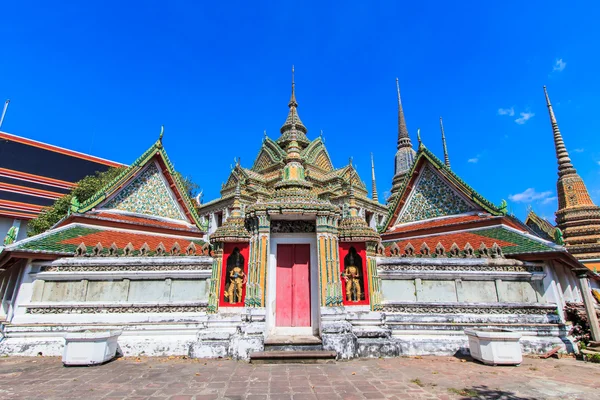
x: 441, y: 378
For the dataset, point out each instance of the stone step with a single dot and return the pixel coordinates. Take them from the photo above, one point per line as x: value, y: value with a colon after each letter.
x: 594, y: 345
x: 293, y: 343
x: 293, y: 347
x: 587, y: 354
x: 292, y: 357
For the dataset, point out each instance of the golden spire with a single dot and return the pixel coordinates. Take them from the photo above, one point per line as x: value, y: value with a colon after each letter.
x: 446, y: 158
x: 565, y: 167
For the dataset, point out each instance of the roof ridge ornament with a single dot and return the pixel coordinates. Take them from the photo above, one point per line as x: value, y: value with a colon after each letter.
x: 160, y: 136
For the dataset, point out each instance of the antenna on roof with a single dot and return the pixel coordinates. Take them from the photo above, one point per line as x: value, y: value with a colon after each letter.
x: 4, y: 112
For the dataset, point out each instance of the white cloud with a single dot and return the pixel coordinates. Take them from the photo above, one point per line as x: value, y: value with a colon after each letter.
x: 549, y: 199
x: 507, y: 111
x: 530, y: 195
x: 524, y: 117
x: 579, y: 150
x: 473, y: 160
x: 559, y: 65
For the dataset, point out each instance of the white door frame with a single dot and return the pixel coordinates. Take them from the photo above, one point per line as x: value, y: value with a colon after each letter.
x: 293, y: 238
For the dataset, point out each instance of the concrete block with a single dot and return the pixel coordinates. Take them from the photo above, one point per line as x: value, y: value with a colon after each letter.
x: 107, y: 290
x: 147, y: 291
x: 66, y: 291
x: 399, y: 290
x: 437, y: 291
x: 188, y: 290
x: 516, y: 292
x: 476, y: 291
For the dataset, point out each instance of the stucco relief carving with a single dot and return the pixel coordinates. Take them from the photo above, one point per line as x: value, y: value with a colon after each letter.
x: 462, y: 309
x: 125, y: 309
x: 279, y: 226
x: 455, y: 268
x: 117, y: 268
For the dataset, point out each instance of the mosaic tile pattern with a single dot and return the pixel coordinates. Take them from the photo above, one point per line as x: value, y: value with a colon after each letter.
x: 432, y: 197
x: 147, y: 194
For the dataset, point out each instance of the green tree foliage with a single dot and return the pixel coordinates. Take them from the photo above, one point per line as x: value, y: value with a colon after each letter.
x: 85, y: 189
x: 191, y: 187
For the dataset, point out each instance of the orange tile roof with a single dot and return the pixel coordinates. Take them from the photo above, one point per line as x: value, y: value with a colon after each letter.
x: 139, y: 220
x: 121, y: 239
x: 460, y: 238
x: 439, y: 222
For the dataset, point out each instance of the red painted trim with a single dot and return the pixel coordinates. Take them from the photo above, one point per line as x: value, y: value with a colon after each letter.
x: 9, y: 187
x: 24, y: 176
x: 360, y: 249
x: 18, y: 215
x: 227, y: 250
x: 17, y: 205
x: 56, y: 149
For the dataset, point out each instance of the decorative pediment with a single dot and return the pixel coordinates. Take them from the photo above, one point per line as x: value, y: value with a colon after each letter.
x: 432, y: 197
x: 150, y: 186
x: 147, y: 193
x: 432, y: 190
x: 270, y: 154
x: 316, y: 154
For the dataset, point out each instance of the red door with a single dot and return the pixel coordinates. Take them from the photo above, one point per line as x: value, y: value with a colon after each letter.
x: 292, y: 304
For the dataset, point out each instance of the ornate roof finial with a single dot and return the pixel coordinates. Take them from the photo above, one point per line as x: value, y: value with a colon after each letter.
x: 403, y: 138
x: 565, y: 166
x: 293, y: 122
x: 162, y: 133
x: 374, y: 196
x: 446, y: 158
x: 419, y: 136
x: 293, y: 98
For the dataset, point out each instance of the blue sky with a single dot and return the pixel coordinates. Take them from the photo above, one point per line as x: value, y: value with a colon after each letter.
x: 101, y: 77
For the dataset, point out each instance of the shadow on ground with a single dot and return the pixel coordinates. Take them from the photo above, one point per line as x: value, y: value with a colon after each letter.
x: 484, y: 392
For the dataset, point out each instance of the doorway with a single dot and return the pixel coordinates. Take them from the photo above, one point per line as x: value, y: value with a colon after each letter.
x: 292, y: 305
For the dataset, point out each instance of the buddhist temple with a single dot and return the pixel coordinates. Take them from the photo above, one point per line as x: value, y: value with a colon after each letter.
x: 296, y: 256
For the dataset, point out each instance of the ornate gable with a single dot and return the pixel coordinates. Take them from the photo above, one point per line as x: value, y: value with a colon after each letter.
x: 431, y: 190
x: 148, y: 193
x: 316, y: 155
x: 270, y: 154
x: 150, y: 186
x: 432, y: 197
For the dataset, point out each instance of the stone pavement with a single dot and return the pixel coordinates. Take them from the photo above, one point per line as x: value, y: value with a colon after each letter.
x: 399, y: 378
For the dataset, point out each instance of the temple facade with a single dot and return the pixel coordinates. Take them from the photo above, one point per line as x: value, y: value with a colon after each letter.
x: 295, y: 252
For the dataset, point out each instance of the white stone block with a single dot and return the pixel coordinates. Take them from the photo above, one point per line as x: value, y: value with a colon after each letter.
x: 437, y: 291
x: 107, y: 290
x: 64, y: 291
x: 495, y: 346
x: 89, y: 348
x: 188, y: 290
x: 147, y: 291
x: 476, y: 291
x: 399, y: 290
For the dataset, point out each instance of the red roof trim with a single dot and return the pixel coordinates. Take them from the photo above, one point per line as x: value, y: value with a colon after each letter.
x: 9, y: 187
x: 56, y: 149
x: 24, y: 176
